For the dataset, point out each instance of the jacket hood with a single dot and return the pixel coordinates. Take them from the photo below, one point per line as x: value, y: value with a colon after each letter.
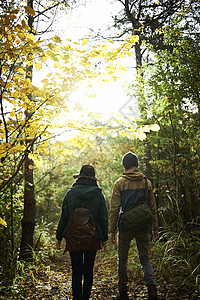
x: 133, y: 174
x: 84, y: 191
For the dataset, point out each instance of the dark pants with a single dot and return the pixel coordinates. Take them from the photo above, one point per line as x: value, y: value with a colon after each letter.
x: 82, y: 264
x: 143, y: 243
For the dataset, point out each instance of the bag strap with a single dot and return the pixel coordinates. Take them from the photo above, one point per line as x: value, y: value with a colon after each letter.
x: 146, y: 190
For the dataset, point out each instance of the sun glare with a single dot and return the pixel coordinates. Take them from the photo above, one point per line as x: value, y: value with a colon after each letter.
x: 102, y: 101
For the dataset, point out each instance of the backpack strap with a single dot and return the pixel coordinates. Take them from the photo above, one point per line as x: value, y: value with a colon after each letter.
x: 146, y: 190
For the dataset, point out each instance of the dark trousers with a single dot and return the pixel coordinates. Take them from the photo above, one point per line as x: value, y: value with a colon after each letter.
x: 82, y: 265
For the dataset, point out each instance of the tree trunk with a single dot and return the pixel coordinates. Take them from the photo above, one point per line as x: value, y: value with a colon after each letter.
x: 138, y: 57
x: 29, y: 213
x: 147, y: 157
x: 28, y: 221
x: 11, y: 219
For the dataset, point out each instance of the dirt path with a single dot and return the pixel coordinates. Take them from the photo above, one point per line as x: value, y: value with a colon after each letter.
x: 56, y: 283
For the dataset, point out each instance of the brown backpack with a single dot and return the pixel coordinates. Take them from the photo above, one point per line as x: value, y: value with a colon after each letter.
x: 81, y: 231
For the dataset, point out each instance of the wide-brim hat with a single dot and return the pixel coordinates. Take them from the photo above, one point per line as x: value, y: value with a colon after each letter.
x: 87, y: 171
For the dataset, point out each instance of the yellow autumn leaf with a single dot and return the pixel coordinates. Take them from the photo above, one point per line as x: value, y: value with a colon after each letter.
x: 29, y: 10
x: 84, y: 42
x: 57, y: 39
x: 134, y: 135
x: 39, y: 163
x: 45, y: 81
x: 3, y: 153
x: 19, y: 147
x: 50, y: 46
x: 129, y: 53
x: 105, y: 47
x: 31, y: 167
x: 38, y: 66
x: 88, y: 72
x: 159, y: 119
x: 115, y: 55
x: 71, y: 125
x: 43, y: 57
x: 30, y: 37
x: 20, y: 70
x: 127, y: 46
x: 56, y: 65
x: 21, y: 35
x: 111, y: 41
x: 123, y: 68
x: 12, y: 114
x: 123, y: 133
x: 24, y: 24
x: 136, y: 38
x: 2, y: 222
x: 87, y: 64
x: 59, y: 152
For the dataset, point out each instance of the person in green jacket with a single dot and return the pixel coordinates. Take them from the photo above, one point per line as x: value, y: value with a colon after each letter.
x: 85, y: 189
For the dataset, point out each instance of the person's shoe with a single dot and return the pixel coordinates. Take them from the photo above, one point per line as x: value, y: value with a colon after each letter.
x: 152, y: 293
x: 123, y: 295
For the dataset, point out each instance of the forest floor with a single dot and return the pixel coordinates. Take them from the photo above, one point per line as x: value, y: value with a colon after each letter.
x: 55, y: 283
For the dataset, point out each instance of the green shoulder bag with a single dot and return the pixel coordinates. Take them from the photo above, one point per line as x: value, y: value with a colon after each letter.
x: 137, y: 216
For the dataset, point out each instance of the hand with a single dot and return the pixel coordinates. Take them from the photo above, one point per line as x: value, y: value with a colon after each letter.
x: 103, y: 246
x: 155, y: 235
x: 113, y: 237
x: 58, y: 245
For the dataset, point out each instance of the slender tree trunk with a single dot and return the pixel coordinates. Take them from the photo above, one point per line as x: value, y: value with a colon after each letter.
x: 138, y: 57
x: 147, y: 157
x: 28, y: 221
x: 11, y: 217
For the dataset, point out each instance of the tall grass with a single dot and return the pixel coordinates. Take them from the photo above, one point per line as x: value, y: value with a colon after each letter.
x: 176, y: 257
x: 16, y: 275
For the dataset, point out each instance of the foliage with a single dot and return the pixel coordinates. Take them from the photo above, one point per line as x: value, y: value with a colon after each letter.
x: 177, y: 256
x: 29, y: 113
x: 74, y: 63
x: 168, y: 90
x: 22, y: 273
x: 2, y: 222
x: 172, y: 100
x: 147, y: 19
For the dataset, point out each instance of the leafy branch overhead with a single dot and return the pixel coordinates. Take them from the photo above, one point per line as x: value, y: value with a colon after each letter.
x: 74, y: 62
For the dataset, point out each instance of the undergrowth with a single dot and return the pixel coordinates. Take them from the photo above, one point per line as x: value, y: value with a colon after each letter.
x: 17, y: 275
x: 175, y: 258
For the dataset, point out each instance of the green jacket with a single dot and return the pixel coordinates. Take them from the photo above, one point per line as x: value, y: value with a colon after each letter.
x: 127, y: 191
x: 92, y: 198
